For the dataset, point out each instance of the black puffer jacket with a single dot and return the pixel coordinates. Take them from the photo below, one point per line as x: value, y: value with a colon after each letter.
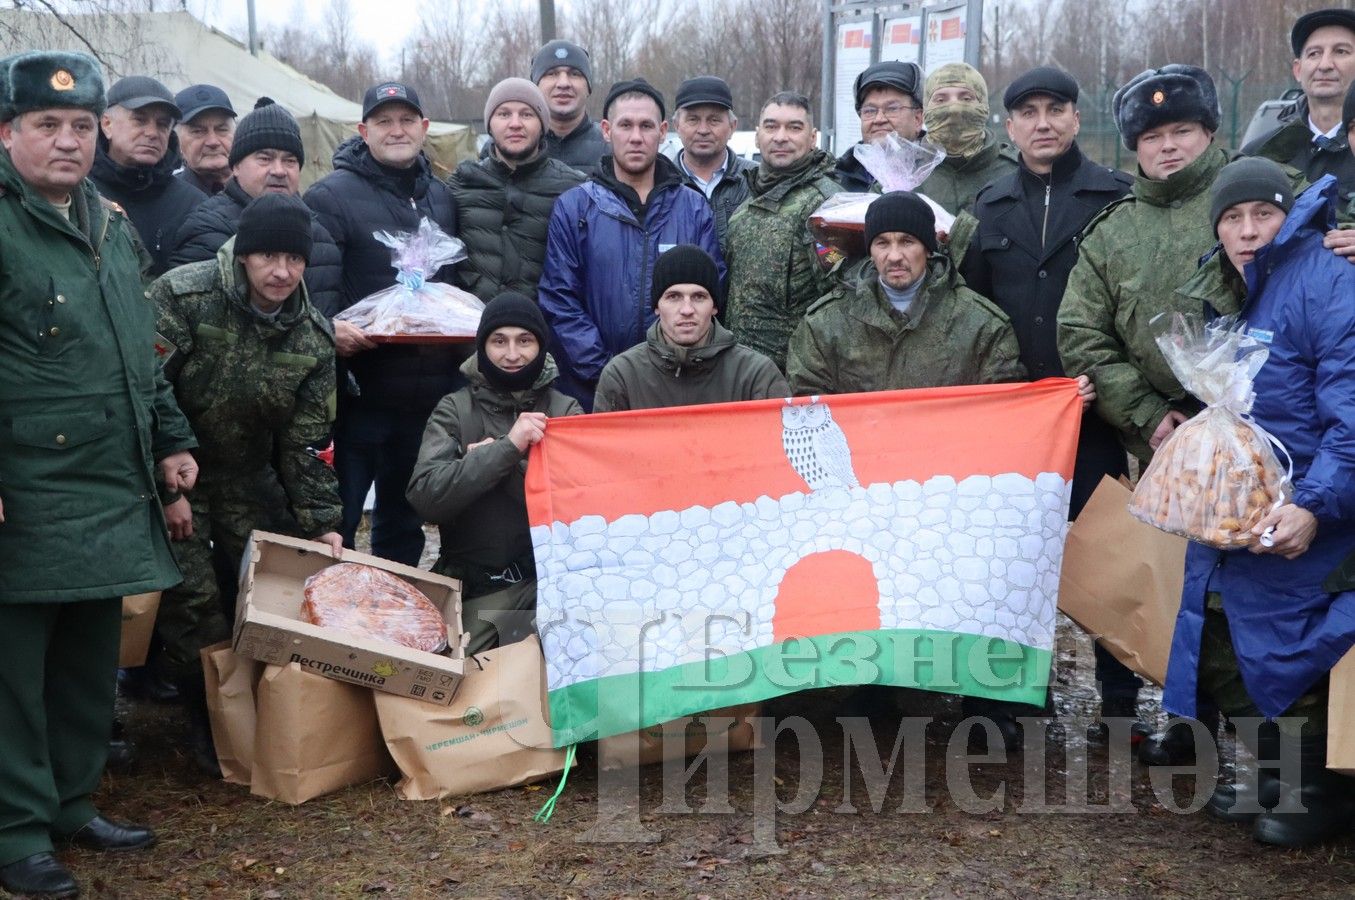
x: 215, y: 221
x: 154, y: 199
x: 504, y: 215
x: 360, y: 197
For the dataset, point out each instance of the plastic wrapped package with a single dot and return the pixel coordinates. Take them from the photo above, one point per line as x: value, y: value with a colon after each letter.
x: 1218, y: 474
x: 373, y: 603
x: 898, y: 165
x: 415, y: 310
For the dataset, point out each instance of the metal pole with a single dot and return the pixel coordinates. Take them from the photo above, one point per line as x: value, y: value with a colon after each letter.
x: 827, y: 124
x: 253, y: 30
x: 547, y: 20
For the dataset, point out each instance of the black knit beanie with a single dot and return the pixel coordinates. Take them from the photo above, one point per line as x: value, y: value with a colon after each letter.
x: 511, y: 310
x: 267, y: 127
x: 277, y: 223
x: 684, y: 264
x: 901, y: 211
x: 1245, y: 180
x: 634, y: 86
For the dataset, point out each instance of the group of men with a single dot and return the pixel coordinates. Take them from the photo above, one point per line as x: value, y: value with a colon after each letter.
x: 176, y: 370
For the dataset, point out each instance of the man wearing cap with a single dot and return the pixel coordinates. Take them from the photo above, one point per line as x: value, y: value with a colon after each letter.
x: 205, y: 136
x: 1311, y: 135
x: 505, y: 198
x: 774, y: 268
x: 564, y: 73
x: 265, y: 158
x: 908, y: 322
x: 957, y: 120
x: 137, y: 156
x: 888, y: 100
x: 252, y: 365
x: 1029, y: 223
x: 1260, y: 628
x: 688, y: 357
x: 469, y: 479
x: 382, y: 181
x: 704, y: 121
x: 86, y: 416
x: 606, y: 234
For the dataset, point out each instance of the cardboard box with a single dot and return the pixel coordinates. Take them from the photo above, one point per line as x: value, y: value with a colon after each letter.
x: 269, y: 628
x: 138, y: 624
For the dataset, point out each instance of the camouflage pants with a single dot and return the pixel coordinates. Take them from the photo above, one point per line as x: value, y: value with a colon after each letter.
x: 199, y: 611
x: 1221, y: 679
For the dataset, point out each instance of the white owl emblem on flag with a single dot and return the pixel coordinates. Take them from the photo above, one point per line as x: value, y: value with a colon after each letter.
x: 816, y: 446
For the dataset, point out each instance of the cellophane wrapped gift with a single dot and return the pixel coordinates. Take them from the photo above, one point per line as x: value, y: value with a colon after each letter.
x: 415, y: 307
x: 373, y: 603
x: 839, y: 224
x: 1217, y: 475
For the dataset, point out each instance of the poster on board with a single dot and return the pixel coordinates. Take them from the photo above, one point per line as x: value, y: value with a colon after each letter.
x: 853, y: 55
x: 945, y: 36
x: 901, y: 39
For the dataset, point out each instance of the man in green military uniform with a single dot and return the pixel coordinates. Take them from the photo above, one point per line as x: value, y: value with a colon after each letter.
x: 956, y: 118
x: 908, y: 322
x: 85, y: 418
x: 773, y: 263
x: 252, y: 365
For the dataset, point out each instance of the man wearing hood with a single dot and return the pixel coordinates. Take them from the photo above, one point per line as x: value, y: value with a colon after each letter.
x: 1260, y: 628
x: 889, y: 101
x: 606, y: 234
x: 252, y: 365
x: 505, y: 197
x: 957, y: 120
x: 469, y: 479
x: 135, y: 161
x: 382, y: 181
x: 774, y: 267
x: 687, y: 357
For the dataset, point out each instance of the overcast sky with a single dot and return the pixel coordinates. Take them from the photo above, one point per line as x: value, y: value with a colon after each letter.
x: 383, y: 23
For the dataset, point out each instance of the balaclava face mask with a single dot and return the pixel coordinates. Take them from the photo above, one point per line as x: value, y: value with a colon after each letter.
x: 957, y: 126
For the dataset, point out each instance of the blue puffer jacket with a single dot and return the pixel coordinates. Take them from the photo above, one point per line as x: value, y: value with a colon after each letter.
x: 1287, y: 631
x: 594, y: 288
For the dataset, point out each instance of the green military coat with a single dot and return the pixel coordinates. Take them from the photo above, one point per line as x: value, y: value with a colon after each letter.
x: 258, y: 392
x: 1133, y: 257
x: 853, y: 340
x: 84, y: 414
x: 957, y: 181
x: 774, y: 269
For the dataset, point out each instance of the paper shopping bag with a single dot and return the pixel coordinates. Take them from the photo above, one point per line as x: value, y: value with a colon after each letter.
x: 138, y: 624
x: 314, y: 736
x: 1341, y: 716
x: 231, y: 679
x: 1122, y: 580
x: 712, y: 731
x: 496, y: 733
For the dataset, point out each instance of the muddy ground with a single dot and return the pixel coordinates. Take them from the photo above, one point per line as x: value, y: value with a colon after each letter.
x: 218, y: 841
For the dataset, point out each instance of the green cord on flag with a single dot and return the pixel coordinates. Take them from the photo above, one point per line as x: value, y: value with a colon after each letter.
x: 548, y: 808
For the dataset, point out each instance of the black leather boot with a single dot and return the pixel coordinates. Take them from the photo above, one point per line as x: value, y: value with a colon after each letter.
x: 201, y: 747
x: 114, y: 837
x: 1176, y: 745
x: 1120, y: 708
x: 1231, y: 802
x: 39, y: 875
x: 121, y: 751
x: 1321, y: 806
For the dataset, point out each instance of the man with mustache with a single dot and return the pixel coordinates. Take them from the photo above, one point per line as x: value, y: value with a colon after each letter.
x: 205, y: 136
x: 1310, y: 135
x: 265, y: 158
x: 704, y: 122
x: 564, y: 73
x: 134, y: 166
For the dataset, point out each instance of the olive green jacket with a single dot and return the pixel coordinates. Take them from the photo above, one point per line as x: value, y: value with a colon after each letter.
x: 774, y: 268
x: 957, y: 181
x: 84, y: 413
x: 259, y: 393
x: 853, y: 340
x: 1132, y: 258
x: 656, y: 374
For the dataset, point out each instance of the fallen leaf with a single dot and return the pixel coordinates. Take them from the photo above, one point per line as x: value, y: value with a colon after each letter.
x: 516, y: 846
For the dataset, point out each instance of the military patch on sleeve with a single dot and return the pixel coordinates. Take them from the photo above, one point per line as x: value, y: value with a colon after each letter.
x: 828, y: 257
x: 164, y: 349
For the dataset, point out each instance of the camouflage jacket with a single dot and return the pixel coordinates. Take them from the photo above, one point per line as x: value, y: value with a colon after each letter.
x: 1134, y: 255
x: 852, y: 339
x: 774, y: 269
x: 258, y: 393
x: 957, y: 181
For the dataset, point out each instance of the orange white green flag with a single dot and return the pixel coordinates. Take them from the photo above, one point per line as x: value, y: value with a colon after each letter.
x: 700, y: 557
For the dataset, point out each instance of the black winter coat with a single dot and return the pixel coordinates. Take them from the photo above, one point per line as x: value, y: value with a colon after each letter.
x: 504, y: 216
x: 851, y: 174
x: 215, y: 221
x: 729, y: 193
x: 360, y: 197
x: 154, y: 199
x: 1290, y: 142
x: 581, y: 149
x: 1009, y: 263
